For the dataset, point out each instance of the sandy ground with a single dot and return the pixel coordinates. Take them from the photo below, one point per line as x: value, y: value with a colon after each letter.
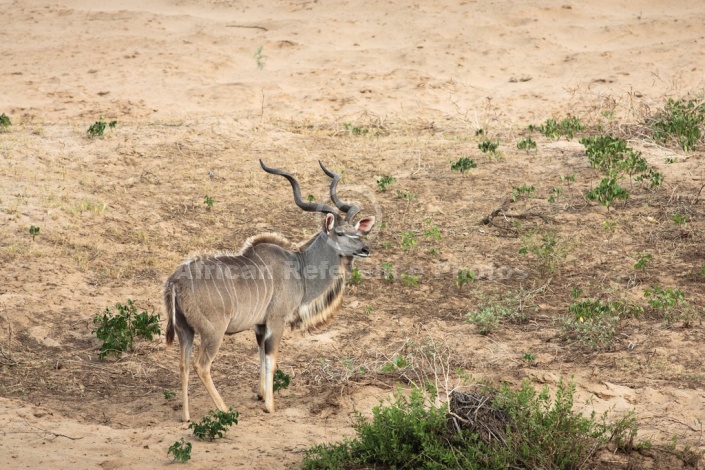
x: 371, y: 88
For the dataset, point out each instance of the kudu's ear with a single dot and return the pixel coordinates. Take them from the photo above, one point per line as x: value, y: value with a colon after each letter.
x: 363, y: 226
x: 329, y: 223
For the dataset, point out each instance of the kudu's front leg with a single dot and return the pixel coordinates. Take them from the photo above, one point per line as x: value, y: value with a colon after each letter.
x: 272, y: 338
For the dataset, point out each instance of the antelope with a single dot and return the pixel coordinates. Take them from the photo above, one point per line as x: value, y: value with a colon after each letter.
x: 269, y: 284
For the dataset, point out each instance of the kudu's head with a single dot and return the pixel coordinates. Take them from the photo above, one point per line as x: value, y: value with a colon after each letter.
x: 339, y: 233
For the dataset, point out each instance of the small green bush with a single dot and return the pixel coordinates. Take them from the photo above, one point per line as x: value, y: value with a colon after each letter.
x: 4, y: 121
x: 463, y: 165
x: 680, y: 122
x: 97, y: 129
x: 181, y: 451
x: 214, y: 425
x: 384, y: 181
x: 553, y: 129
x: 118, y: 330
x: 281, y: 380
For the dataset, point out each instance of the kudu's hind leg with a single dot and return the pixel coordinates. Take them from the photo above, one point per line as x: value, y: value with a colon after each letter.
x: 272, y: 339
x: 260, y: 332
x: 206, y: 354
x: 185, y: 346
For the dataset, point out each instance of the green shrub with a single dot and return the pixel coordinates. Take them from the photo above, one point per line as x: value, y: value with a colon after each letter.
x: 555, y: 130
x: 462, y: 165
x: 214, y: 425
x: 118, y: 330
x: 181, y: 451
x: 384, y: 181
x: 98, y: 128
x: 680, y: 122
x: 4, y: 121
x: 281, y: 380
x: 537, y: 432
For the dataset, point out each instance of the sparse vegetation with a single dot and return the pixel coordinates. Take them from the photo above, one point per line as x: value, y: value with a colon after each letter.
x: 180, y: 451
x: 208, y: 201
x: 513, y: 306
x: 670, y: 305
x: 214, y: 425
x: 355, y: 276
x: 490, y: 147
x: 260, y: 58
x: 4, y: 122
x: 528, y: 144
x: 408, y: 240
x: 384, y: 181
x: 33, y: 231
x: 97, y: 129
x: 548, y: 250
x: 463, y: 165
x: 281, y: 381
x: 465, y: 276
x: 388, y: 272
x: 523, y: 191
x: 680, y: 122
x: 553, y: 129
x: 117, y: 330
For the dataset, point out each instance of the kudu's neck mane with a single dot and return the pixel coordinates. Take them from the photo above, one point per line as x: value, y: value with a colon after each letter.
x: 323, y: 275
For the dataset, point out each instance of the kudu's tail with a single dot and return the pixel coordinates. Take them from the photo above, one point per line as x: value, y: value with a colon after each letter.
x: 170, y: 302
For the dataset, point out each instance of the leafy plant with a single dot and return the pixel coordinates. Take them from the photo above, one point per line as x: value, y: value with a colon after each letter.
x: 680, y: 219
x: 181, y: 451
x: 118, y: 330
x: 398, y: 362
x: 409, y: 196
x: 465, y: 276
x: 555, y: 195
x: 260, y: 58
x: 411, y: 280
x: 408, y: 240
x: 432, y: 232
x: 681, y: 121
x: 528, y: 144
x: 671, y: 305
x: 281, y: 381
x: 214, y: 425
x: 462, y: 165
x: 607, y: 192
x: 490, y: 146
x: 555, y: 130
x: 355, y: 130
x: 355, y: 276
x: 568, y: 178
x: 548, y: 250
x: 169, y: 394
x: 34, y: 231
x: 593, y: 323
x: 529, y: 358
x: 310, y: 198
x: 4, y: 121
x: 643, y: 262
x: 388, y: 272
x: 98, y: 128
x: 613, y: 156
x: 513, y: 306
x: 208, y: 201
x: 522, y: 191
x: 384, y: 181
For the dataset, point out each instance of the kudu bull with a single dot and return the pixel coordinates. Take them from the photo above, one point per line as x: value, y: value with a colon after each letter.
x: 269, y: 284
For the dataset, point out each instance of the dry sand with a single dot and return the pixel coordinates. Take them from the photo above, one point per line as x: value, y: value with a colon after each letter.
x: 200, y: 86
